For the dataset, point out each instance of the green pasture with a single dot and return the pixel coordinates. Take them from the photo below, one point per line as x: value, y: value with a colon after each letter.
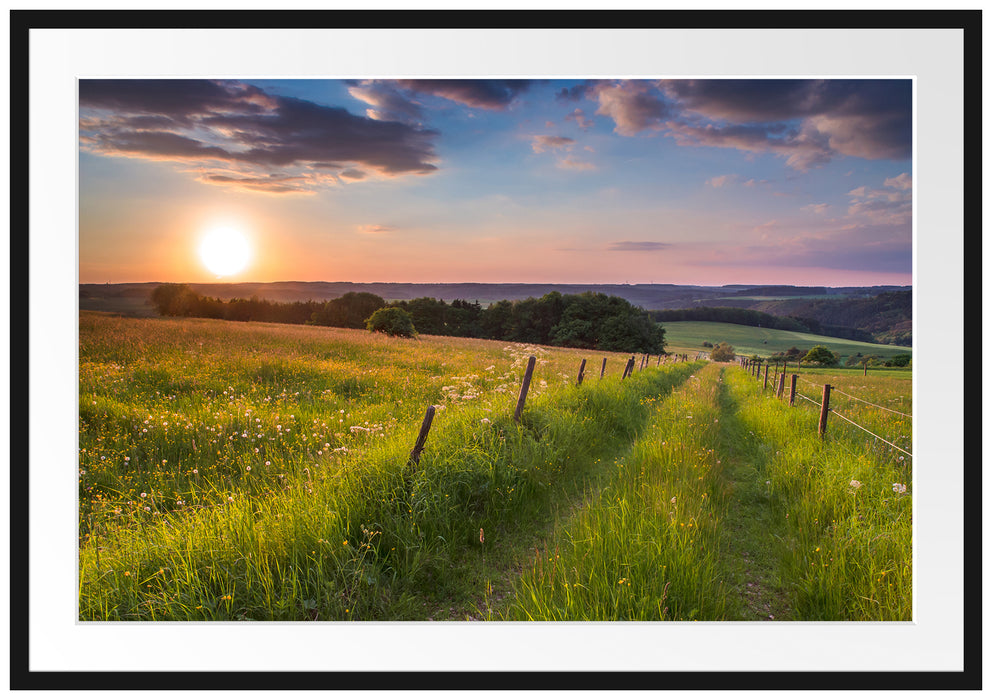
x: 750, y: 340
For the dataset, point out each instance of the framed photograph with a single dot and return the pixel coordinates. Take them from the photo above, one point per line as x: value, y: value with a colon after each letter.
x: 366, y: 354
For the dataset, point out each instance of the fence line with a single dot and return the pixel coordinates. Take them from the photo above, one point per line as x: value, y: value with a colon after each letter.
x: 833, y: 388
x: 856, y: 425
x: 868, y: 431
x: 871, y: 404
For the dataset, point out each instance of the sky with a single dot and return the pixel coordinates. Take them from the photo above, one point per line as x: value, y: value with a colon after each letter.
x: 600, y: 181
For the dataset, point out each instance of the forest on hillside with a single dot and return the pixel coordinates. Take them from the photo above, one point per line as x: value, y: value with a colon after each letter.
x: 885, y: 318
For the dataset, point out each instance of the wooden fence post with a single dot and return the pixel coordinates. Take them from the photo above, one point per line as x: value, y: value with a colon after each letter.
x: 824, y: 409
x: 425, y: 428
x: 766, y: 378
x: 603, y: 371
x: 781, y: 384
x: 582, y: 369
x: 523, y: 388
x: 658, y: 364
x: 792, y: 391
x: 630, y: 366
x: 866, y: 369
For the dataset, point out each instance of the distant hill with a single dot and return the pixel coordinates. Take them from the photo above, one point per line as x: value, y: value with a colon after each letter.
x: 883, y: 318
x: 883, y: 313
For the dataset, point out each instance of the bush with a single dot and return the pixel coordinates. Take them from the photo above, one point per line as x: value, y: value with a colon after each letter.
x: 821, y: 355
x: 391, y: 321
x: 902, y: 360
x: 723, y: 352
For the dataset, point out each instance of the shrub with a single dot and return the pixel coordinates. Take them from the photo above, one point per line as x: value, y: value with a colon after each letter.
x: 391, y: 321
x: 902, y: 360
x: 723, y: 352
x: 821, y: 355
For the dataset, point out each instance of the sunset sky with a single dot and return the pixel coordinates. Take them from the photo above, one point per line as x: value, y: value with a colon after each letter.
x: 572, y: 181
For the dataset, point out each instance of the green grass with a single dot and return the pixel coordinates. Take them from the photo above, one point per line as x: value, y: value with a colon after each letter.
x: 844, y: 542
x: 749, y: 340
x: 644, y: 545
x: 254, y: 471
x: 232, y: 471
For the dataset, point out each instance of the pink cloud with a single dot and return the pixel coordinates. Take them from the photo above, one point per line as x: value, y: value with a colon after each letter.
x: 543, y: 143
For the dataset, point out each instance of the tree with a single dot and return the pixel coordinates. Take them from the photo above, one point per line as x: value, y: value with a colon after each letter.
x: 723, y: 352
x: 902, y: 360
x: 391, y: 320
x: 174, y: 299
x: 821, y: 355
x: 349, y: 311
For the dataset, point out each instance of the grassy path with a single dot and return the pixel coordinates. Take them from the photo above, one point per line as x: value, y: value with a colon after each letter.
x: 643, y: 546
x: 750, y: 527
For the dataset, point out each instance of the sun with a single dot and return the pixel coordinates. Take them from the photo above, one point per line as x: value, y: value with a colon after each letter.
x: 225, y: 251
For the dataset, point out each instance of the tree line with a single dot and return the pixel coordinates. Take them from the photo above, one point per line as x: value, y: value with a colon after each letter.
x: 589, y: 320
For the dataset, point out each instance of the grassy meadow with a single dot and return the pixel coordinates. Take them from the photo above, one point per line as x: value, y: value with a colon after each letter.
x: 689, y: 336
x: 233, y: 471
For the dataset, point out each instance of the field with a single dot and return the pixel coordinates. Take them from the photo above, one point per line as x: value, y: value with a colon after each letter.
x: 233, y: 471
x: 748, y: 340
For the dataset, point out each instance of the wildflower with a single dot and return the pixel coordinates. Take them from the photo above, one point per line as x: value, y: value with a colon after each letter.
x: 196, y: 471
x: 899, y: 488
x: 855, y: 484
x: 482, y: 536
x: 144, y: 495
x: 673, y: 500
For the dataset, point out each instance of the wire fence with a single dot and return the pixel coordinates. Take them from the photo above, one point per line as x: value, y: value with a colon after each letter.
x: 877, y: 437
x: 891, y: 410
x: 796, y: 377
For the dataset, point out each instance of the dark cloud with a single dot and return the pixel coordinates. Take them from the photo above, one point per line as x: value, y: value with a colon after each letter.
x: 802, y: 149
x: 156, y: 145
x: 862, y: 118
x: 639, y: 246
x: 387, y: 103
x: 178, y: 100
x: 807, y: 122
x: 576, y: 92
x: 206, y: 123
x: 632, y: 106
x: 483, y: 94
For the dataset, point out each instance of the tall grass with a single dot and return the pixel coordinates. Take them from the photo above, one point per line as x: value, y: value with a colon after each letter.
x: 260, y: 472
x: 844, y: 504
x: 644, y: 546
x: 255, y: 505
